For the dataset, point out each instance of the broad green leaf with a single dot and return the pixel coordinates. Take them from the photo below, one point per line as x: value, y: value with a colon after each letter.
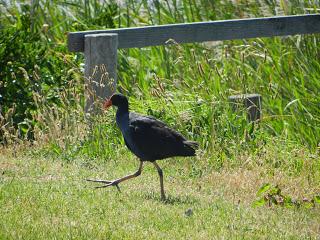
x: 265, y: 187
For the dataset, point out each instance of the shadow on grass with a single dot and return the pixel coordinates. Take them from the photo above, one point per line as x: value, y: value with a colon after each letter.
x: 172, y: 200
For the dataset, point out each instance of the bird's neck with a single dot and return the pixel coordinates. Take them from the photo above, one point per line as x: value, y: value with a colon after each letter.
x: 122, y: 117
x: 122, y: 110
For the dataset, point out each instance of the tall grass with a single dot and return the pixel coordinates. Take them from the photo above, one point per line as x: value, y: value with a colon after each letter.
x: 187, y: 85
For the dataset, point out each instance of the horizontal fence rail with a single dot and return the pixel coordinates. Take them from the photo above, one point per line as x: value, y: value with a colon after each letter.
x: 138, y: 37
x: 100, y: 46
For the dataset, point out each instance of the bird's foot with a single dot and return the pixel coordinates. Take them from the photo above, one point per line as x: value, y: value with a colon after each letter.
x: 106, y: 182
x: 99, y: 181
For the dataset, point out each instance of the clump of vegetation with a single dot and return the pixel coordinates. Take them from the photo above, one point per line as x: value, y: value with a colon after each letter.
x: 272, y: 195
x: 32, y: 64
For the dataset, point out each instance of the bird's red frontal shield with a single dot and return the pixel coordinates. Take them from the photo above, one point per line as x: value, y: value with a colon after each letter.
x: 107, y: 103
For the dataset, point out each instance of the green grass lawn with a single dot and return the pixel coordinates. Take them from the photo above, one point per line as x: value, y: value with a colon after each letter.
x: 46, y: 198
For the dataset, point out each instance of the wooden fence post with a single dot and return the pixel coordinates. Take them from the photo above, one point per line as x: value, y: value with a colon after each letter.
x: 251, y: 102
x: 100, y: 68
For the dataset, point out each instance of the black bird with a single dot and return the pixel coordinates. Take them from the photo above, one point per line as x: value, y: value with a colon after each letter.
x: 148, y: 138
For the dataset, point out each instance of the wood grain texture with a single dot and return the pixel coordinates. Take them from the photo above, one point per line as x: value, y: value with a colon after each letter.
x: 252, y: 103
x: 205, y: 31
x: 100, y: 67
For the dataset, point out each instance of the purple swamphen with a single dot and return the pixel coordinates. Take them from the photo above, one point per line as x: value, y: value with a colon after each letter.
x: 148, y: 138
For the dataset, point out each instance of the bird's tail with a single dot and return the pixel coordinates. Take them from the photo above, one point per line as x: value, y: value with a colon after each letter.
x: 191, y: 147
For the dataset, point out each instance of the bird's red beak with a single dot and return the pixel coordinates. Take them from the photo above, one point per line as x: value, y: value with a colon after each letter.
x: 107, y: 104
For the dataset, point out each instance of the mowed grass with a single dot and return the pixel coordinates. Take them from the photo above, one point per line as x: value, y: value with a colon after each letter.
x: 46, y: 198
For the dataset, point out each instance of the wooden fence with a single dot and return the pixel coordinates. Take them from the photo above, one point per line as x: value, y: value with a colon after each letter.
x: 100, y: 46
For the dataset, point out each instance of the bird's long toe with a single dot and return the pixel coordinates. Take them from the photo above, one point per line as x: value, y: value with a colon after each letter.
x: 104, y: 186
x: 106, y: 182
x: 99, y: 181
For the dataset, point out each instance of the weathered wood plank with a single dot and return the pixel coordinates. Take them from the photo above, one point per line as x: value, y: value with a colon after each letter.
x: 251, y: 102
x: 100, y: 68
x: 205, y: 31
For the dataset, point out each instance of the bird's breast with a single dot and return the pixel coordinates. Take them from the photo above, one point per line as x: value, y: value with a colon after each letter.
x: 131, y: 144
x: 123, y: 124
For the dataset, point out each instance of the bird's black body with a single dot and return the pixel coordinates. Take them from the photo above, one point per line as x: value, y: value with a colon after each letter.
x: 148, y: 138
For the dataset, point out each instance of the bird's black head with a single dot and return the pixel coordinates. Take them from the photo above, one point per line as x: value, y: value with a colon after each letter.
x: 117, y: 100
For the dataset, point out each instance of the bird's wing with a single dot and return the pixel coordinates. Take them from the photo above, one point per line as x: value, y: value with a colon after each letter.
x: 146, y: 118
x: 151, y: 126
x: 154, y: 137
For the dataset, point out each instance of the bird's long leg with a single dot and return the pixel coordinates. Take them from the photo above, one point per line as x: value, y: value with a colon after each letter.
x: 163, y: 196
x: 119, y: 180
